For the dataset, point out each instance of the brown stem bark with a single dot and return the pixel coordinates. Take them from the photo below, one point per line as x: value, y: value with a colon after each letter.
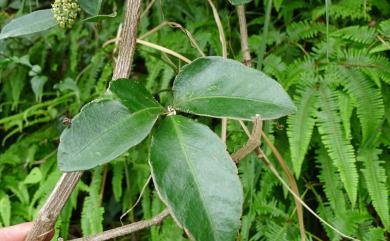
x: 244, y: 35
x: 126, y: 229
x: 127, y: 40
x: 47, y: 216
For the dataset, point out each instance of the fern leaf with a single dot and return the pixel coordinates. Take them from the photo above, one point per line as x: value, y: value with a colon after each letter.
x: 375, y: 177
x: 300, y: 126
x: 276, y: 232
x: 363, y: 60
x: 304, y: 30
x: 330, y: 181
x: 92, y: 213
x: 368, y: 101
x: 117, y: 178
x: 346, y: 105
x: 91, y: 217
x: 339, y: 148
x: 384, y: 28
x: 359, y: 34
x: 274, y: 65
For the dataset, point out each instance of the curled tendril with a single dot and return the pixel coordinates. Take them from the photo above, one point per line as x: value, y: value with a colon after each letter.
x: 65, y: 12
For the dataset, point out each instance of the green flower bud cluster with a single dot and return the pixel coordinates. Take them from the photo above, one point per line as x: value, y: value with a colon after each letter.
x: 65, y: 12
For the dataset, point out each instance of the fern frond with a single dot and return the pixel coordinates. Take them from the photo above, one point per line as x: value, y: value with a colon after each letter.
x: 295, y: 71
x: 375, y: 234
x: 276, y: 232
x: 384, y: 28
x: 91, y: 216
x: 368, y: 101
x: 301, y: 124
x: 359, y: 34
x: 344, y: 9
x: 331, y: 182
x: 362, y: 59
x: 375, y: 177
x: 304, y: 30
x: 92, y: 213
x: 117, y: 177
x: 339, y: 148
x: 274, y: 65
x: 346, y: 106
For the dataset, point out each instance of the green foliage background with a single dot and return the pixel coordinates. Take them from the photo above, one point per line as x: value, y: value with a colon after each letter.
x: 333, y: 58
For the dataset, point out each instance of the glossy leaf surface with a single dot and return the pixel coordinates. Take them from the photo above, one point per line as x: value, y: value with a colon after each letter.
x: 102, y: 131
x: 218, y: 87
x: 197, y: 179
x: 34, y: 22
x: 133, y: 95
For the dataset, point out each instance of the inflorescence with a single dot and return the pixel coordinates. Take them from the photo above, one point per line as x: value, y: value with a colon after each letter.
x: 65, y: 12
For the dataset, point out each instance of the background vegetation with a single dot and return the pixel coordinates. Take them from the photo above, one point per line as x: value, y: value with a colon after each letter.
x: 332, y: 57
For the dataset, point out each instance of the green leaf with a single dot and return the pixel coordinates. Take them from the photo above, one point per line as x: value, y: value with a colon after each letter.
x: 92, y: 7
x: 34, y: 176
x: 238, y: 2
x: 218, y: 87
x: 197, y: 179
x: 339, y: 148
x: 278, y: 4
x: 34, y: 22
x: 102, y: 131
x: 117, y: 172
x: 133, y: 95
x: 101, y: 17
x: 331, y: 182
x: 300, y: 126
x: 375, y: 177
x: 37, y: 83
x: 92, y: 213
x: 368, y: 101
x: 5, y: 210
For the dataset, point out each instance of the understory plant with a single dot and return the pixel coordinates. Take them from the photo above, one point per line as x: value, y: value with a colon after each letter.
x: 329, y: 141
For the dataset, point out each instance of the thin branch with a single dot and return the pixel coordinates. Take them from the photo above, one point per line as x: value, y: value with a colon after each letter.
x: 163, y: 49
x: 138, y: 199
x: 155, y: 46
x: 220, y: 29
x: 127, y: 41
x: 224, y: 54
x: 261, y: 155
x: 265, y: 159
x: 253, y: 141
x: 264, y: 37
x: 47, y: 216
x: 193, y: 41
x: 147, y: 8
x: 244, y: 35
x: 291, y: 180
x: 125, y: 230
x: 289, y: 175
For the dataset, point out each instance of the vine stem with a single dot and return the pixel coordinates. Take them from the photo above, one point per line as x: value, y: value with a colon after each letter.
x: 224, y: 54
x: 127, y: 229
x: 48, y: 214
x: 247, y: 62
x: 244, y: 35
x: 263, y: 156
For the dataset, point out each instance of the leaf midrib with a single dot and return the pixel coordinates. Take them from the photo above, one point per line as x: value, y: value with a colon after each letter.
x: 99, y: 137
x: 191, y: 169
x: 230, y: 97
